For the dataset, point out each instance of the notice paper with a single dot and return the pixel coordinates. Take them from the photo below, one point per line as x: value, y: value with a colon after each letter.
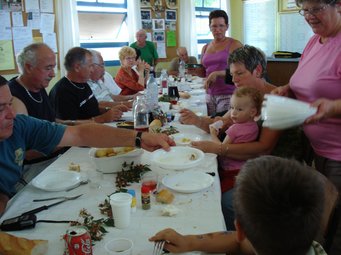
x: 46, y: 23
x: 6, y: 55
x: 22, y: 36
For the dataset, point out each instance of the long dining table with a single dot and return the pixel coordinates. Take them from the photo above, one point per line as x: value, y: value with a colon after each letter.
x: 198, y: 212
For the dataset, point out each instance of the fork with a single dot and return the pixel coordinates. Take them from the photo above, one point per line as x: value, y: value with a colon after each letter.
x: 158, y: 247
x: 52, y: 198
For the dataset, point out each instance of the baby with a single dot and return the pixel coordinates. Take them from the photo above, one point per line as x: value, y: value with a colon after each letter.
x: 246, y: 105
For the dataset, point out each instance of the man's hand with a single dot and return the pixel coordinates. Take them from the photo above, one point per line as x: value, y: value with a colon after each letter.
x: 189, y: 118
x: 151, y: 141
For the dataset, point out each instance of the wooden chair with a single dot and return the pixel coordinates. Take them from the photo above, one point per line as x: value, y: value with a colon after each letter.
x: 330, y: 214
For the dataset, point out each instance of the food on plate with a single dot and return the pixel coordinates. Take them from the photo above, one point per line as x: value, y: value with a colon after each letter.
x: 193, y: 157
x: 165, y: 196
x: 74, y: 167
x: 184, y: 95
x: 109, y: 152
x: 10, y: 244
x: 170, y: 210
x: 168, y: 131
x: 185, y: 140
x: 155, y: 125
x: 125, y: 124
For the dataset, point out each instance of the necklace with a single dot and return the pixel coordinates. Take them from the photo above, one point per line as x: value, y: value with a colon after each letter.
x: 35, y: 100
x: 74, y: 84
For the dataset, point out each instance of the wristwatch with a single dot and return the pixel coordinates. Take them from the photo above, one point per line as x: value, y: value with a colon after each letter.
x: 138, y: 140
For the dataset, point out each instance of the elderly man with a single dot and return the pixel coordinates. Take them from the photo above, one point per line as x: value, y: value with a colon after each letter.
x: 103, y: 85
x: 72, y: 96
x: 147, y: 48
x: 173, y: 68
x: 20, y: 132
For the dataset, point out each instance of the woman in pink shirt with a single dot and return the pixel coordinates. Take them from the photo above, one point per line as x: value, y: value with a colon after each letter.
x: 317, y: 80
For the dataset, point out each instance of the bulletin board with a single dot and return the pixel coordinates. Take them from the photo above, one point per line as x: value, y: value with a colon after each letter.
x: 23, y: 22
x: 287, y: 6
x: 160, y: 19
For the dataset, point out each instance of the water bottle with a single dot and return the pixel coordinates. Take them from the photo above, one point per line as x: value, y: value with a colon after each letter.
x: 182, y: 69
x: 164, y: 81
x: 152, y: 94
x: 140, y: 113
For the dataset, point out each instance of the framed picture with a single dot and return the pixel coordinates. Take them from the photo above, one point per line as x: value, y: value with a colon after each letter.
x: 171, y: 25
x: 159, y: 36
x: 170, y: 15
x: 145, y: 3
x: 146, y: 14
x: 287, y: 6
x: 172, y: 4
x: 158, y: 24
x: 147, y: 24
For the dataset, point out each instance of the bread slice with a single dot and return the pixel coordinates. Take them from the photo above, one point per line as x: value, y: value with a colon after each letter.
x: 10, y: 245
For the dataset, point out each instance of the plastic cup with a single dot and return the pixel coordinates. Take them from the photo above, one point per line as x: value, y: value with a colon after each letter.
x: 121, y: 209
x: 119, y: 246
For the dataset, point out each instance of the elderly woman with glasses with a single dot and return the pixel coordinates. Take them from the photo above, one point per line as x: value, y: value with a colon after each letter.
x: 317, y: 81
x: 214, y: 59
x: 128, y: 79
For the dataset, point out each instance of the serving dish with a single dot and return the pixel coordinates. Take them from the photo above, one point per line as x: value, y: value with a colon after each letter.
x: 113, y: 164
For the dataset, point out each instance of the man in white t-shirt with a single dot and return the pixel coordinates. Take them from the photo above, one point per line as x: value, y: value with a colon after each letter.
x: 103, y: 85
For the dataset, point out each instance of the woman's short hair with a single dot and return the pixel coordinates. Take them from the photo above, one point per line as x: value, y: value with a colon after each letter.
x: 330, y: 2
x: 250, y: 57
x: 126, y: 51
x: 218, y: 14
x: 75, y: 55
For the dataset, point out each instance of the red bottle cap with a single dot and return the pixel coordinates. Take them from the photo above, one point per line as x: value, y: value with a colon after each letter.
x: 145, y: 189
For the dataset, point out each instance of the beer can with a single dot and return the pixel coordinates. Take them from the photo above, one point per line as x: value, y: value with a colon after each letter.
x: 77, y: 241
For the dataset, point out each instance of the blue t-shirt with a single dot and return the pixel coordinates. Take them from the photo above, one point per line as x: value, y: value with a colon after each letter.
x: 28, y: 133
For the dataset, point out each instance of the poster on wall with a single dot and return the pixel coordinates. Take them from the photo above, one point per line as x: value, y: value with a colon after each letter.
x: 11, y: 5
x: 170, y: 15
x: 145, y: 3
x: 146, y: 15
x: 147, y: 24
x: 159, y: 36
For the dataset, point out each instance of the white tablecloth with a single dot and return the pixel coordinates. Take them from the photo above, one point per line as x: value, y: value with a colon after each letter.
x: 199, y: 212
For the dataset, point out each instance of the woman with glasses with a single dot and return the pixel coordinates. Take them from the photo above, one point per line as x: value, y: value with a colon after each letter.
x: 214, y: 56
x: 127, y: 79
x: 317, y: 80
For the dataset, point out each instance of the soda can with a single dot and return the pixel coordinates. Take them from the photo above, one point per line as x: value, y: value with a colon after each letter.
x: 77, y: 241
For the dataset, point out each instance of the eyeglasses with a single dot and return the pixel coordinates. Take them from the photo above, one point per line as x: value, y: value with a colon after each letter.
x: 100, y: 65
x: 313, y: 11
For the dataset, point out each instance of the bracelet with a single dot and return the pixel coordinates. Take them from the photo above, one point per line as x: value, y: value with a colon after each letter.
x: 138, y: 140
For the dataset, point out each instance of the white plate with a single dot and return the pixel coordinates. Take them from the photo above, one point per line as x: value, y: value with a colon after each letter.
x: 197, y: 92
x: 57, y: 180
x: 188, y: 182
x: 178, y: 158
x: 185, y: 138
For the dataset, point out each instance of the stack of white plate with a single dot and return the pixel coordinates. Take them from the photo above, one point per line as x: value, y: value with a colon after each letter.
x: 282, y: 112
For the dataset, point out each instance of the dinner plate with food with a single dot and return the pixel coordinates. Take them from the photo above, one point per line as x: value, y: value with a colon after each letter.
x: 188, y: 182
x: 183, y: 139
x: 177, y: 158
x: 57, y: 180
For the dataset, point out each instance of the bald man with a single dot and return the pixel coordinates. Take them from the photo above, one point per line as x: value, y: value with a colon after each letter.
x: 173, y: 68
x: 147, y: 48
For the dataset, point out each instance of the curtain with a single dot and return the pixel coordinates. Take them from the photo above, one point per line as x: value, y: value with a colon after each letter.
x: 187, y: 29
x: 133, y: 19
x: 68, y: 28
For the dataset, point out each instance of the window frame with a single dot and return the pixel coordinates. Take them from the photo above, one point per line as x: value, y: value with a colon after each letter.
x: 96, y: 45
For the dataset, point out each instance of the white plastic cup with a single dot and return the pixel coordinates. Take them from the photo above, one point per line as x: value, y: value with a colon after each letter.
x: 119, y: 246
x: 121, y: 209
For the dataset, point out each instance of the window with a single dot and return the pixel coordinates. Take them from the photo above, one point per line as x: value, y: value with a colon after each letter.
x: 202, y: 10
x: 103, y: 27
x: 260, y: 24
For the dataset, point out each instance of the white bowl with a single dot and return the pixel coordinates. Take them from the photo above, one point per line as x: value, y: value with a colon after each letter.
x: 119, y: 246
x: 183, y: 139
x: 178, y: 158
x: 113, y: 164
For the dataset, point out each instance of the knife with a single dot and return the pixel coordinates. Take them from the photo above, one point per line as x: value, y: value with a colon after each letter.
x: 45, y: 207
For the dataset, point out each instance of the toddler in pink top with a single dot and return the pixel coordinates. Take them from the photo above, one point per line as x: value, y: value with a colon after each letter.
x: 246, y: 103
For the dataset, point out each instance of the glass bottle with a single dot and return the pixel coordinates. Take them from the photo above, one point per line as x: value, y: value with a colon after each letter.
x: 140, y: 113
x: 182, y: 69
x: 152, y: 94
x: 164, y: 81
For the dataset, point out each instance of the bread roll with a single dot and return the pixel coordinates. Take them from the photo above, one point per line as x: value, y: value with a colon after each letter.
x: 164, y: 196
x: 10, y: 245
x: 154, y: 125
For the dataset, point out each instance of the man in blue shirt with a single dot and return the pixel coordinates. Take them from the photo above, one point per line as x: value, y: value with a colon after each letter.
x: 21, y: 132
